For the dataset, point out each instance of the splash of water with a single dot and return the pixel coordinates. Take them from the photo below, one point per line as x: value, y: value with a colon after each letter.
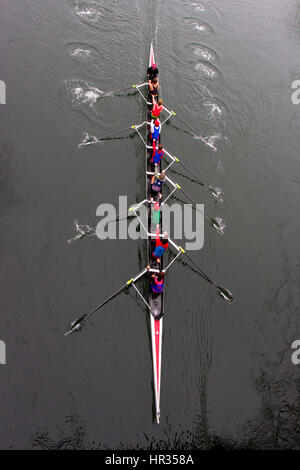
x: 88, y: 10
x: 197, y: 7
x: 209, y: 141
x: 204, y: 54
x: 87, y: 96
x: 218, y: 224
x: 81, y: 231
x: 214, y: 110
x: 217, y: 193
x: 205, y: 71
x: 80, y: 52
x: 88, y: 140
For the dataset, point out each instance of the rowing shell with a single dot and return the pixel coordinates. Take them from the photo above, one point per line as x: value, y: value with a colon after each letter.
x: 155, y: 301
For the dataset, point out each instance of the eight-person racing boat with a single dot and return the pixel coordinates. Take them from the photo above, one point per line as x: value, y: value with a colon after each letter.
x: 158, y: 241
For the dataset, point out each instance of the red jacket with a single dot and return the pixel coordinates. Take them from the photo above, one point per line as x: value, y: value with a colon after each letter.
x: 157, y: 110
x: 158, y: 241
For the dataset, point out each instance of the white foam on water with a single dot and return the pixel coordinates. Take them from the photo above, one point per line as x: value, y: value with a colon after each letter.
x: 80, y: 52
x: 215, y: 111
x: 205, y: 70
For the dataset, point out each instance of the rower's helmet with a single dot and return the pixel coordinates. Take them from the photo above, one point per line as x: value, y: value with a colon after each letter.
x: 156, y: 122
x: 154, y: 66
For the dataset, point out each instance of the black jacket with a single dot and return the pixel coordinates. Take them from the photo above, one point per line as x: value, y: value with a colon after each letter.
x: 152, y: 73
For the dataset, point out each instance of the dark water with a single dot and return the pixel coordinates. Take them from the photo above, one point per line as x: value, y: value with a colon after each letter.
x: 227, y: 375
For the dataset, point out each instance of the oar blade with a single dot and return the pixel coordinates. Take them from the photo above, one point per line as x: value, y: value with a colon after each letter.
x: 88, y: 140
x: 72, y: 240
x: 217, y: 194
x: 75, y: 325
x: 218, y: 224
x: 225, y: 294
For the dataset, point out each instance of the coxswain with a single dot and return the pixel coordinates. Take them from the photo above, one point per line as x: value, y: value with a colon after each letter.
x: 156, y: 185
x: 161, y: 244
x: 152, y: 72
x: 157, y: 153
x: 155, y: 127
x: 157, y: 108
x: 154, y: 87
x: 156, y: 281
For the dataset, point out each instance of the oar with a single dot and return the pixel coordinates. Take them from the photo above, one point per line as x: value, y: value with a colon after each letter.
x: 81, y: 232
x: 77, y: 324
x: 225, y: 294
x: 115, y: 133
x: 214, y: 191
x: 196, y: 134
x: 187, y: 125
x: 96, y: 140
x: 123, y: 89
x: 85, y: 230
x: 216, y: 222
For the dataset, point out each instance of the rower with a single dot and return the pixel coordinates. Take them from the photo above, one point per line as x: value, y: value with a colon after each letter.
x: 161, y: 244
x: 154, y: 87
x: 156, y: 281
x: 157, y: 154
x: 157, y: 108
x: 155, y: 128
x: 156, y: 185
x: 152, y: 72
x: 155, y: 216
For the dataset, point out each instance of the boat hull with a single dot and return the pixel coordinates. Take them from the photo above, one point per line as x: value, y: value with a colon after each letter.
x: 156, y: 301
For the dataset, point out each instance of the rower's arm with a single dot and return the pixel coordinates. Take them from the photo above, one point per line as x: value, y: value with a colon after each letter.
x: 149, y: 274
x: 154, y: 149
x: 157, y: 236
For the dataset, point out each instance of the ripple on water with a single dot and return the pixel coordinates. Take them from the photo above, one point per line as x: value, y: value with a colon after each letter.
x: 81, y: 95
x: 86, y: 55
x: 88, y: 11
x: 197, y: 6
x: 204, y: 9
x: 293, y: 20
x: 203, y: 52
x: 213, y: 110
x: 294, y: 141
x: 79, y: 52
x: 220, y: 167
x: 198, y: 25
x: 6, y: 174
x: 294, y: 122
x: 204, y: 89
x: 207, y: 71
